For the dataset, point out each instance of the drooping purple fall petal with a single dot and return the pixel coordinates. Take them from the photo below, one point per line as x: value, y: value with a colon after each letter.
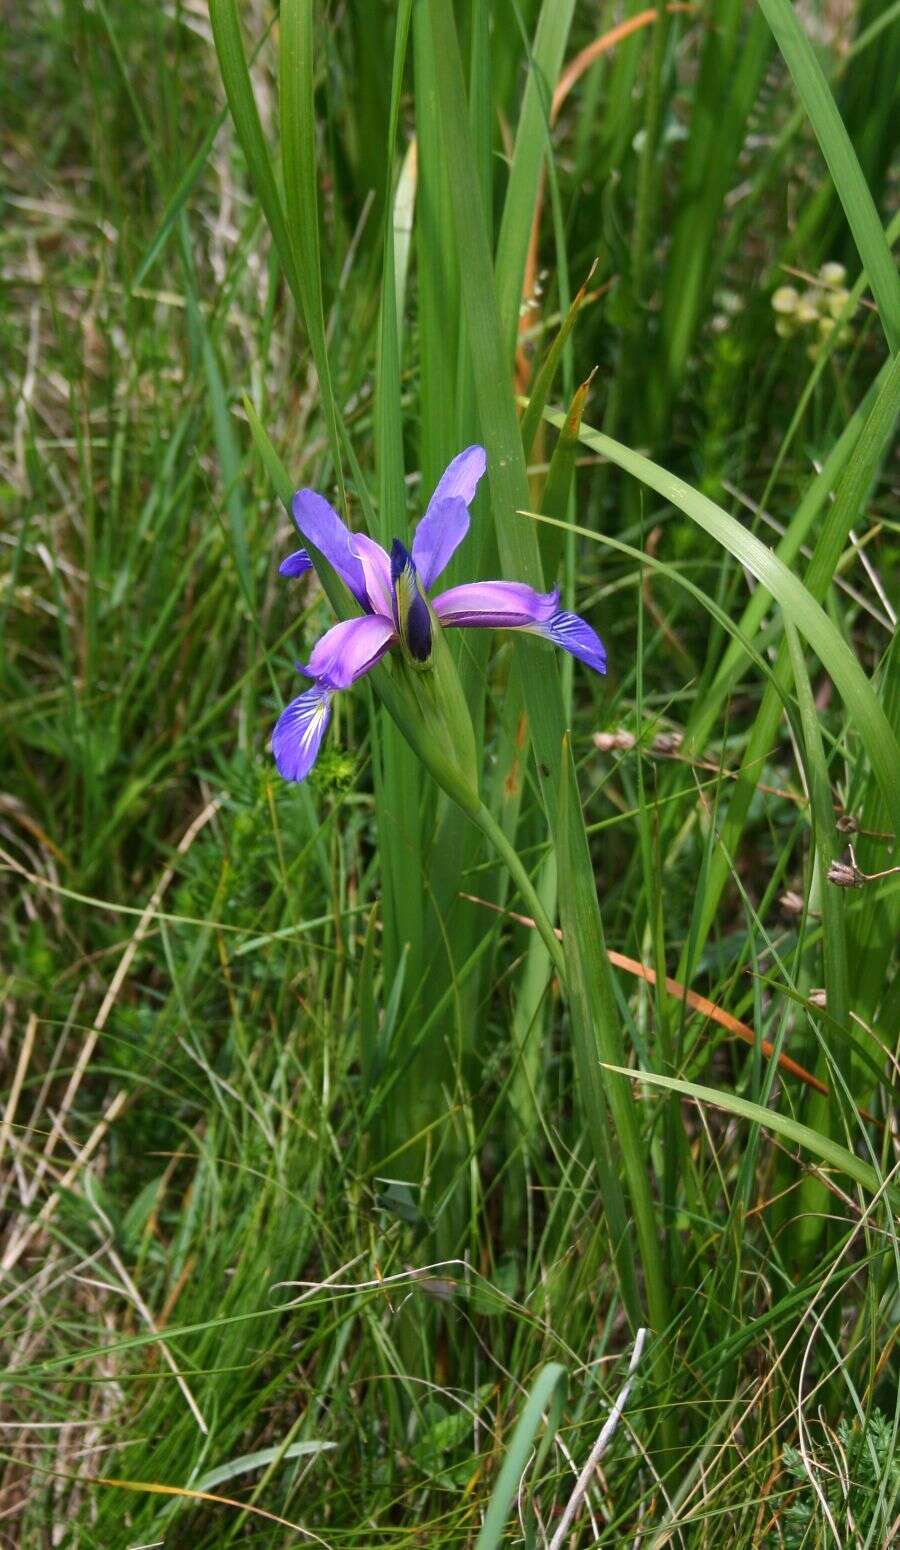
x: 349, y: 649
x: 510, y: 605
x: 299, y: 731
x: 438, y: 536
x: 576, y: 636
x: 496, y: 605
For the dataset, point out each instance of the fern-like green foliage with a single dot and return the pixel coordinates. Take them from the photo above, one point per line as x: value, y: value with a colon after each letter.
x: 859, y: 1473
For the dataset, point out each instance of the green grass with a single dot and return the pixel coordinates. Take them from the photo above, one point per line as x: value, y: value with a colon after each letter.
x: 334, y: 1196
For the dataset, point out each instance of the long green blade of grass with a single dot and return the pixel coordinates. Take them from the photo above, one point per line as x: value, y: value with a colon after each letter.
x: 549, y: 1390
x: 796, y: 600
x: 301, y: 201
x: 532, y: 140
x: 831, y: 1153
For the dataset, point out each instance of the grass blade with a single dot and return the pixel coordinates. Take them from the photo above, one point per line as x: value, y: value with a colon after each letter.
x: 532, y: 142
x: 842, y: 161
x: 597, y: 1039
x: 822, y: 1147
x: 549, y: 1390
x: 789, y: 592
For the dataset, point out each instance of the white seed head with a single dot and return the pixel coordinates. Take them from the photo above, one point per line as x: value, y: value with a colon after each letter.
x: 832, y: 274
x: 785, y: 299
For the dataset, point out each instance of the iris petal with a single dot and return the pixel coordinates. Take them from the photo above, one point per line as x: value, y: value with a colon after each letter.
x: 349, y: 649
x: 496, y: 605
x: 576, y: 636
x: 376, y: 567
x: 295, y: 564
x: 438, y: 536
x: 320, y: 524
x: 460, y: 478
x: 298, y: 733
x: 510, y: 605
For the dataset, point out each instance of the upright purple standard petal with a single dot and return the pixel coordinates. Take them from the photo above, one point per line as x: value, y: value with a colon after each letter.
x: 349, y: 649
x: 295, y: 564
x: 438, y: 536
x: 496, y: 605
x: 299, y: 731
x: 321, y: 526
x: 460, y: 478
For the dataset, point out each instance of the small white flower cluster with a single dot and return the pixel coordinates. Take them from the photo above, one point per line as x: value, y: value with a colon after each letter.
x: 728, y: 305
x: 814, y: 310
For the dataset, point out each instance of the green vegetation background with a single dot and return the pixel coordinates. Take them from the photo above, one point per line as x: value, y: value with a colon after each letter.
x: 309, y: 1167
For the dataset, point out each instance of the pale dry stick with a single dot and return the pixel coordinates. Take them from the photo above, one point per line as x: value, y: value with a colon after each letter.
x: 380, y: 1283
x: 118, y: 980
x: 874, y: 577
x: 29, y: 381
x: 600, y: 1446
x: 520, y: 1502
x: 40, y: 1426
x: 45, y: 1281
x: 21, y: 1067
x: 21, y: 1139
x: 16, y: 1249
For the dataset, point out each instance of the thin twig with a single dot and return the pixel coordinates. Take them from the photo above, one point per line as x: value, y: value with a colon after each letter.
x: 600, y: 1446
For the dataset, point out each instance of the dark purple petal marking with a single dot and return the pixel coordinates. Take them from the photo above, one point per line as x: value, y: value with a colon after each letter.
x: 460, y: 478
x: 349, y: 649
x: 411, y: 614
x: 496, y: 605
x: 321, y: 526
x: 299, y: 731
x: 295, y: 564
x: 438, y: 536
x: 577, y: 637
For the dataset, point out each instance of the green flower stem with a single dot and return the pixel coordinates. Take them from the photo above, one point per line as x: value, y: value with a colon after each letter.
x: 489, y: 826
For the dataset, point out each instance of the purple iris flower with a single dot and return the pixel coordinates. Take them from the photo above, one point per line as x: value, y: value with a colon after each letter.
x: 391, y: 590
